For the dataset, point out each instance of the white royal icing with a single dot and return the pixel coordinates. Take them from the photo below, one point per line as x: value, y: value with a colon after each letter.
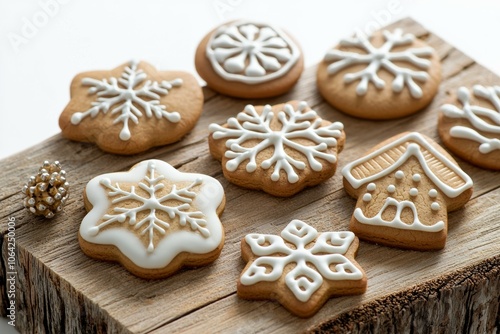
x: 296, y: 124
x: 396, y: 222
x: 412, y: 150
x: 250, y: 52
x: 312, y: 264
x: 129, y: 98
x: 475, y: 114
x: 382, y: 58
x: 194, y: 210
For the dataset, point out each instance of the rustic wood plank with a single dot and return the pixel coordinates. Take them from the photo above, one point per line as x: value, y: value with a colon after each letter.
x: 59, y: 289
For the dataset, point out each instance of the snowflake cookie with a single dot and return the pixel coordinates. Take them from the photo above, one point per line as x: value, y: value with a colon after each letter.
x: 388, y: 75
x: 131, y: 108
x: 301, y: 269
x: 249, y: 59
x: 470, y: 125
x: 280, y: 149
x: 405, y: 188
x: 153, y: 219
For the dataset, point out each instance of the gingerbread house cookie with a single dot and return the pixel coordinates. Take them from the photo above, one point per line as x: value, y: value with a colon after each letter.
x: 470, y: 125
x: 405, y: 188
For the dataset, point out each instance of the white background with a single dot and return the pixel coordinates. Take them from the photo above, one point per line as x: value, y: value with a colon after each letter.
x: 40, y: 53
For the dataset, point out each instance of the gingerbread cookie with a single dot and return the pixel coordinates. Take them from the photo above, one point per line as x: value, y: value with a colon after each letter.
x: 131, y: 108
x: 301, y: 269
x: 389, y: 75
x: 153, y: 219
x: 249, y: 60
x: 470, y: 125
x: 279, y: 149
x: 405, y: 187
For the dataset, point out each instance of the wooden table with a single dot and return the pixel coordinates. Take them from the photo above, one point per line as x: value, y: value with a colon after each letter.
x: 60, y: 290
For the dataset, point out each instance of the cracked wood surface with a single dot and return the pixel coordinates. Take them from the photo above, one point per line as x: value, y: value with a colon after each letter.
x: 59, y: 289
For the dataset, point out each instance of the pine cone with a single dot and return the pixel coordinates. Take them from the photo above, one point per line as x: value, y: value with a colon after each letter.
x: 47, y: 192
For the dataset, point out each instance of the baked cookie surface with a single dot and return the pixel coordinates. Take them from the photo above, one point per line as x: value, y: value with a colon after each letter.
x: 279, y: 149
x: 153, y: 219
x: 131, y: 108
x: 405, y: 188
x: 301, y: 269
x: 470, y: 125
x: 249, y: 60
x: 385, y: 76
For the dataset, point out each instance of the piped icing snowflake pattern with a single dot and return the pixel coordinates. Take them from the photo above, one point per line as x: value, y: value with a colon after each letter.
x: 154, y: 212
x: 481, y: 119
x: 377, y: 58
x: 251, y: 53
x: 133, y: 97
x: 150, y: 203
x: 315, y: 258
x: 295, y: 124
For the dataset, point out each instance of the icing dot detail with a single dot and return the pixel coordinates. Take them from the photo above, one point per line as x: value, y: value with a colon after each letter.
x: 391, y: 188
x: 413, y: 192
x: 433, y: 193
x: 367, y: 197
x: 371, y: 187
x: 400, y: 174
x: 435, y: 206
x: 416, y: 177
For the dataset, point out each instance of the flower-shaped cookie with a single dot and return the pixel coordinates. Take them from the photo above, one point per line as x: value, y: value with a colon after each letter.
x: 280, y: 149
x: 301, y: 269
x: 153, y: 219
x: 131, y: 108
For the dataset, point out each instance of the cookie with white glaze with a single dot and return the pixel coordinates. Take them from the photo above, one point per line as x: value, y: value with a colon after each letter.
x: 301, y: 269
x: 405, y: 187
x: 153, y: 219
x: 279, y: 149
x: 388, y: 75
x: 249, y: 60
x: 131, y: 108
x: 469, y: 125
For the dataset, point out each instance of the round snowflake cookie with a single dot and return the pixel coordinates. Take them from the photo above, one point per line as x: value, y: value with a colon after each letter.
x: 249, y: 60
x: 279, y: 149
x: 131, y: 108
x: 470, y: 125
x: 153, y: 219
x: 388, y: 75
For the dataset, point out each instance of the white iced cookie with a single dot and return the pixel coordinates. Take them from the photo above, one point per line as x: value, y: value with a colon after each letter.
x: 153, y: 219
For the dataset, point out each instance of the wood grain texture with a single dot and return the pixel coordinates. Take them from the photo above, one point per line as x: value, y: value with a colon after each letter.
x: 59, y: 289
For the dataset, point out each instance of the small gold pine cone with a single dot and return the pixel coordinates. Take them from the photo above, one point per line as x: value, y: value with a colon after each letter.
x: 47, y: 192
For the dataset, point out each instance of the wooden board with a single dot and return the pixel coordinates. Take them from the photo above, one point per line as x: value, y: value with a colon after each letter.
x: 60, y: 290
